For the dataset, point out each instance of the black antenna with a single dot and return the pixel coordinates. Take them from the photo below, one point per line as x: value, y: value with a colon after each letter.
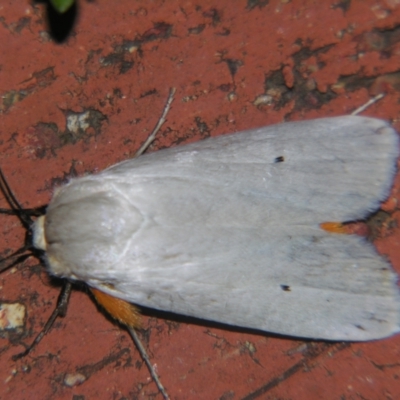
x: 25, y: 216
x: 25, y: 219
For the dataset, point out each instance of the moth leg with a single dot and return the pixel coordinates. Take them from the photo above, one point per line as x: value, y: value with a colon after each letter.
x: 128, y: 315
x: 124, y: 312
x: 59, y: 311
x: 153, y: 134
x: 146, y: 359
x: 362, y: 108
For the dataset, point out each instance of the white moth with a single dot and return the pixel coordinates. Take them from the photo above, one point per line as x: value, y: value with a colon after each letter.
x: 228, y: 229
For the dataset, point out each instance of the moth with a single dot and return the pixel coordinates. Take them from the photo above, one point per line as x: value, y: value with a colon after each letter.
x: 243, y: 229
x: 229, y: 229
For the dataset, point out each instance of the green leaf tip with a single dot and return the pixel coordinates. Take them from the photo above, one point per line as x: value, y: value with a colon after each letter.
x: 61, y: 5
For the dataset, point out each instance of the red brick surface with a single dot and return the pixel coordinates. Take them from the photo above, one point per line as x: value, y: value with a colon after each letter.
x: 226, y: 59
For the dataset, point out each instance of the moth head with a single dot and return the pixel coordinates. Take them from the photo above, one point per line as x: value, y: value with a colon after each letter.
x: 38, y: 238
